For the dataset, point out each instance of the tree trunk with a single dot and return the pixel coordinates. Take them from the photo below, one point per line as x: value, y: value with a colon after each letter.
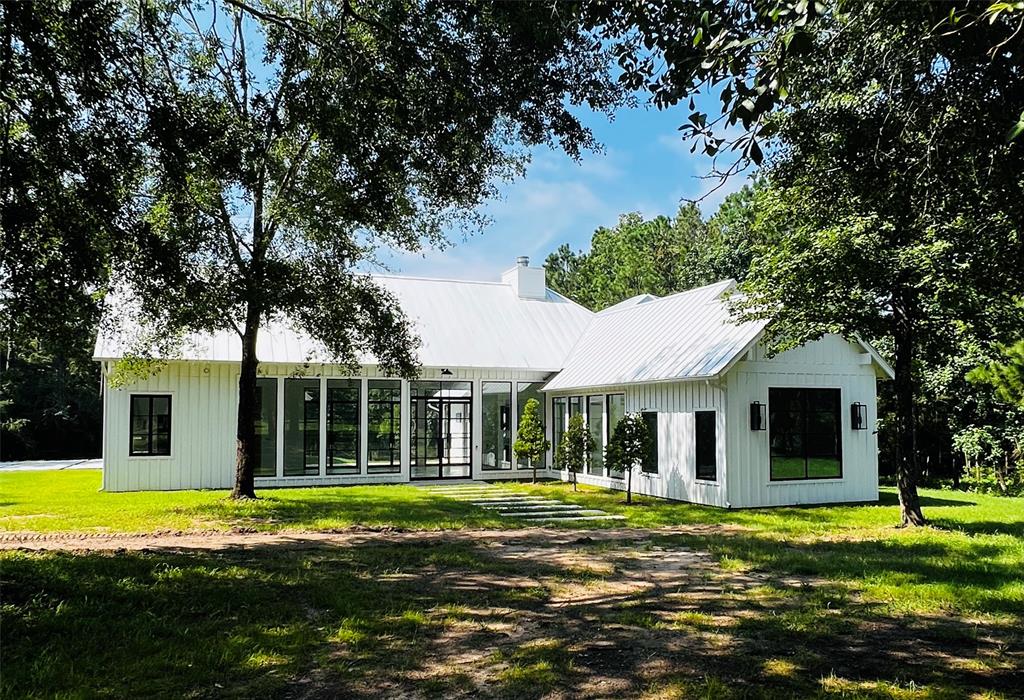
x: 629, y: 485
x: 906, y: 420
x: 245, y: 455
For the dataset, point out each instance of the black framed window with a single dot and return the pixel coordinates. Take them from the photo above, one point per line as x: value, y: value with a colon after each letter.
x: 384, y: 426
x: 558, y: 407
x: 805, y: 430
x: 266, y: 427
x: 650, y: 463
x: 595, y: 424
x: 525, y: 392
x: 301, y: 427
x: 705, y: 438
x: 150, y: 420
x: 497, y: 425
x: 575, y: 405
x: 616, y: 409
x: 343, y: 403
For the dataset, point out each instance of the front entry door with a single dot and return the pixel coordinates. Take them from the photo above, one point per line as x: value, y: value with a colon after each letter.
x: 441, y: 430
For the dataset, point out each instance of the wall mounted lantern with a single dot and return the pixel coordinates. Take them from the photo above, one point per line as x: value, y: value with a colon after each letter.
x: 858, y: 416
x: 446, y: 372
x: 758, y: 421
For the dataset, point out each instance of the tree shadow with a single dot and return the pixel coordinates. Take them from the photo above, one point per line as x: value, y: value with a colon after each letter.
x: 520, y: 617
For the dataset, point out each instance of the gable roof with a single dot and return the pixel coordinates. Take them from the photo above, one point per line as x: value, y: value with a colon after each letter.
x: 460, y: 324
x: 689, y: 335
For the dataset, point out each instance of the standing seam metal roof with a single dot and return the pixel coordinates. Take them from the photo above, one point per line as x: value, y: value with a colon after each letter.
x: 460, y: 324
x: 689, y: 335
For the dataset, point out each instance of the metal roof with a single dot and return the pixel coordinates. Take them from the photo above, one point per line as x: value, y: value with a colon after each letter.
x: 460, y: 324
x: 689, y: 335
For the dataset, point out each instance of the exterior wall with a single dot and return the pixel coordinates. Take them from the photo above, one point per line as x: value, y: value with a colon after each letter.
x: 675, y: 403
x: 204, y: 409
x: 827, y: 363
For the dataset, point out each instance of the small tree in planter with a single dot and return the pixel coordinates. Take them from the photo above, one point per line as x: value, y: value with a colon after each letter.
x: 627, y: 448
x: 531, y: 443
x: 576, y: 445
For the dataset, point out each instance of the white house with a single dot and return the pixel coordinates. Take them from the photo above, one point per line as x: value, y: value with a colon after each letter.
x: 734, y: 427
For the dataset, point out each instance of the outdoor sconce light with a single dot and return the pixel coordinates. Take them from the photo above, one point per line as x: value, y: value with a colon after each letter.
x: 858, y: 416
x: 757, y: 416
x: 446, y: 372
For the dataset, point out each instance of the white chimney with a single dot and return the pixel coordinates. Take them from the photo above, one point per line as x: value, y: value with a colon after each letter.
x: 527, y: 282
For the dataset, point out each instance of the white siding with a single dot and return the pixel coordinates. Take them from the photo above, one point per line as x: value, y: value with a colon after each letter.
x: 827, y: 363
x: 675, y: 403
x: 204, y: 408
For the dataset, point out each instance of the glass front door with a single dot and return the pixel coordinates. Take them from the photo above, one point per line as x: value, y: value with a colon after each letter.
x: 441, y: 429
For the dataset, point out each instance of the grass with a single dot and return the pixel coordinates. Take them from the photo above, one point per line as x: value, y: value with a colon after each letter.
x: 71, y: 501
x: 823, y: 602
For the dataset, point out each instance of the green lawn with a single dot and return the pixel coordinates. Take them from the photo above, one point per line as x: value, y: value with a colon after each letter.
x: 793, y: 602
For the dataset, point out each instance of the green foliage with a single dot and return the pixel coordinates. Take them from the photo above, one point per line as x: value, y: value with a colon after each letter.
x: 1005, y: 375
x: 531, y: 444
x: 660, y: 256
x: 576, y: 445
x: 629, y: 444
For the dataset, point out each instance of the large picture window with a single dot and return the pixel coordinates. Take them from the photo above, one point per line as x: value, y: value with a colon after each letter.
x: 497, y: 415
x: 525, y: 392
x: 595, y: 424
x: 705, y: 438
x: 805, y: 431
x: 384, y: 426
x: 266, y: 426
x: 301, y: 427
x: 343, y: 402
x: 150, y: 420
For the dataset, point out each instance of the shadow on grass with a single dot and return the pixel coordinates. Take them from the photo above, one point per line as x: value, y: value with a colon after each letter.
x: 525, y: 618
x: 338, y: 507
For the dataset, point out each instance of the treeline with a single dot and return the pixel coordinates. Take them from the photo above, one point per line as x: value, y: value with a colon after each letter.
x: 658, y: 256
x: 969, y: 434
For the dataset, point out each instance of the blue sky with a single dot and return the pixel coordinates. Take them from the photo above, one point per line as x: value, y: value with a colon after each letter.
x: 645, y: 167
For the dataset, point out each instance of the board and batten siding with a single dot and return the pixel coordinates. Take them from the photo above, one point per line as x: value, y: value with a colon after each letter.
x: 204, y: 410
x: 830, y: 362
x: 675, y: 403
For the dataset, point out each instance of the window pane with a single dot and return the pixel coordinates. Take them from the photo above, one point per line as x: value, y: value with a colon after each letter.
x: 384, y: 426
x: 527, y: 391
x: 805, y: 433
x: 559, y: 406
x: 149, y: 421
x: 301, y: 427
x: 616, y: 410
x: 705, y: 448
x: 266, y: 427
x: 788, y: 467
x: 497, y: 433
x: 650, y: 464
x: 575, y: 405
x: 343, y: 426
x: 595, y: 423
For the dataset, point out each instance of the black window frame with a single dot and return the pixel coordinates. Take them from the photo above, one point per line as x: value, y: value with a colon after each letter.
x: 150, y: 452
x: 698, y: 449
x: 260, y: 472
x: 389, y: 398
x: 504, y: 427
x: 610, y: 430
x: 650, y: 463
x: 337, y: 402
x: 804, y: 442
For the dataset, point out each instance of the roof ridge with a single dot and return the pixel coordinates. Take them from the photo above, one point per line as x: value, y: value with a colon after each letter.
x: 726, y: 283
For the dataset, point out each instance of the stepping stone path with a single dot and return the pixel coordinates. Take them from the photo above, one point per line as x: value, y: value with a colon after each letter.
x: 513, y: 504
